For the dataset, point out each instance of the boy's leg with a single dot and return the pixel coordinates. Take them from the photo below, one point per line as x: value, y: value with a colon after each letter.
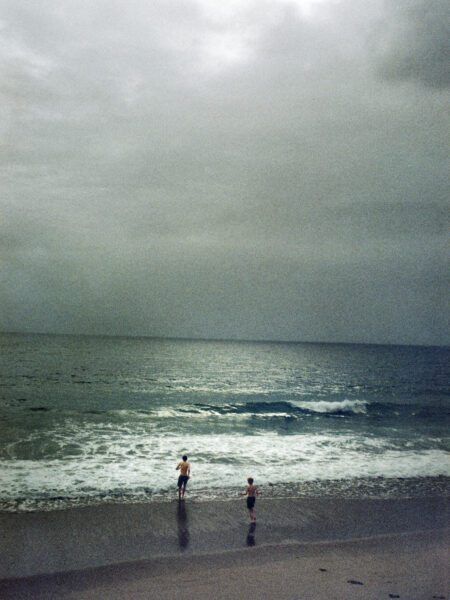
x: 252, y: 514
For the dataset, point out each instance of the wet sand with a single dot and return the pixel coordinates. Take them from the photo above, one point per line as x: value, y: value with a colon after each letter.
x: 299, y: 549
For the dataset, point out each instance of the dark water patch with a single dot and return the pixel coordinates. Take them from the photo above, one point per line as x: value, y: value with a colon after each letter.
x: 39, y: 408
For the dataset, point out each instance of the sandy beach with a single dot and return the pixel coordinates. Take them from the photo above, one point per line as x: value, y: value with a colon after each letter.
x: 299, y: 549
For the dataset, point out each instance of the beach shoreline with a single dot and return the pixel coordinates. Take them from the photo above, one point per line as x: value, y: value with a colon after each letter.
x: 410, y: 565
x: 92, y: 551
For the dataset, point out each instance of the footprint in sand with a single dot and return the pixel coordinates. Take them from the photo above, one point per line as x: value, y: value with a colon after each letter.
x: 355, y: 582
x: 393, y: 596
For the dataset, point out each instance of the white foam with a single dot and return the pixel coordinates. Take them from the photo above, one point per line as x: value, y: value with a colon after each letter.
x: 324, y: 406
x: 193, y: 412
x: 121, y: 458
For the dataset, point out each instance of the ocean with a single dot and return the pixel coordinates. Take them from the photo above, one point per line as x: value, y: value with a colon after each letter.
x: 92, y: 420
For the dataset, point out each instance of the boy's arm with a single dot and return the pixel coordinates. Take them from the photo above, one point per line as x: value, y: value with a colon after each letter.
x: 177, y: 467
x: 189, y: 470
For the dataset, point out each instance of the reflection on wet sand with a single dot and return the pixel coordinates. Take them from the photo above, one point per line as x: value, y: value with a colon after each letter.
x: 250, y: 541
x: 182, y: 521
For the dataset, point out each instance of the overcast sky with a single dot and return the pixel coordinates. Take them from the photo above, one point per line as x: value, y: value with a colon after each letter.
x: 238, y: 169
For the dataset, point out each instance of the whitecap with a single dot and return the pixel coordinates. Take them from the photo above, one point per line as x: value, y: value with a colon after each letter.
x: 332, y: 407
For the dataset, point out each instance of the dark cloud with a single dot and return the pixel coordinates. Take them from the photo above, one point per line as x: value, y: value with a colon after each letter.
x: 190, y: 169
x: 416, y: 44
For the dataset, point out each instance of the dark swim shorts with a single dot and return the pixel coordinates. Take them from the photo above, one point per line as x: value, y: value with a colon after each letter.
x: 251, y: 502
x: 182, y: 480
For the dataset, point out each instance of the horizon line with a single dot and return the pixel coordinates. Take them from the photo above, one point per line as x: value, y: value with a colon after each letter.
x: 222, y: 340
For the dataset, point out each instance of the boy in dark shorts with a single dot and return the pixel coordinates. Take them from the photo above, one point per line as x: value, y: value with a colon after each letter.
x: 185, y: 470
x: 251, y: 491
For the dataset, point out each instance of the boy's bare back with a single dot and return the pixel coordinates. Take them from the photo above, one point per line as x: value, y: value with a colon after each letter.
x: 184, y: 468
x: 251, y: 491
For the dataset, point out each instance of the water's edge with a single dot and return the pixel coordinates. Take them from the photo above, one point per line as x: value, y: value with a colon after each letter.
x: 356, y: 488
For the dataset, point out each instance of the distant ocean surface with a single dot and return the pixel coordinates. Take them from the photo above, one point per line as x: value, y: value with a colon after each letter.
x: 101, y: 419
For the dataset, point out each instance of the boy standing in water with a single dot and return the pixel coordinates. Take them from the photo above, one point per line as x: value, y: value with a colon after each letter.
x: 251, y: 491
x: 185, y: 470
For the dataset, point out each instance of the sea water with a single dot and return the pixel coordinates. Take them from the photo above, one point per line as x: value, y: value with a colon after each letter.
x: 106, y: 419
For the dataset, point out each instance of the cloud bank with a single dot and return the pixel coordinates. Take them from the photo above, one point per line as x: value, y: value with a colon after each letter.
x: 262, y: 170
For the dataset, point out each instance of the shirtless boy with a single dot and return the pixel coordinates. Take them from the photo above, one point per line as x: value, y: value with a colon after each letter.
x: 185, y: 470
x: 251, y: 491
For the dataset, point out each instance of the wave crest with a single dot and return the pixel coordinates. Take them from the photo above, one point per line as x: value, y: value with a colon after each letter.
x: 333, y: 407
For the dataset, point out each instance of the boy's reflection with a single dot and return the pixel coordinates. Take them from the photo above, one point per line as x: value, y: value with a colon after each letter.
x: 182, y: 521
x: 251, y: 535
